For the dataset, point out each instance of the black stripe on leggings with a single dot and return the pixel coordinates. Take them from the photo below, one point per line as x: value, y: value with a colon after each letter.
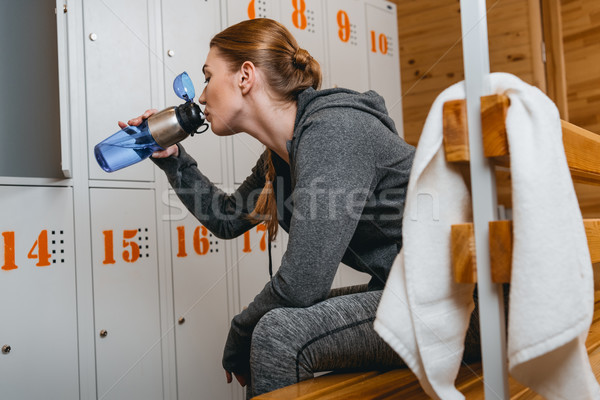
x: 321, y: 336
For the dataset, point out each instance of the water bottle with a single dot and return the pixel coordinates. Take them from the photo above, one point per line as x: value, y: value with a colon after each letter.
x: 133, y: 144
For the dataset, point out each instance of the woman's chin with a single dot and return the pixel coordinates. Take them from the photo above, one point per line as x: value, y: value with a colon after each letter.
x: 222, y: 131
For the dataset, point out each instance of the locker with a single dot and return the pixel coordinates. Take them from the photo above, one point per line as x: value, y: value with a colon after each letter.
x: 188, y: 26
x: 29, y: 34
x: 346, y: 38
x: 384, y: 61
x: 38, y: 303
x: 126, y: 294
x: 305, y: 19
x: 252, y: 261
x: 117, y: 67
x: 201, y: 313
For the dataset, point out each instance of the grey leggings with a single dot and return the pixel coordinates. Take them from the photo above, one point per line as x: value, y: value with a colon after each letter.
x: 290, y: 344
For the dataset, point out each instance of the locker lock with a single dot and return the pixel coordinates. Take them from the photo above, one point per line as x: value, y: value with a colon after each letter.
x: 181, y: 320
x: 103, y: 333
x: 6, y: 349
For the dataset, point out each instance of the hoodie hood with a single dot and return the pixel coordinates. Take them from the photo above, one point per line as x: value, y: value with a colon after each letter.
x: 311, y: 101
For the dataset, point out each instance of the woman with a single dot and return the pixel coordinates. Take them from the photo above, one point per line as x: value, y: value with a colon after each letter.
x: 340, y: 171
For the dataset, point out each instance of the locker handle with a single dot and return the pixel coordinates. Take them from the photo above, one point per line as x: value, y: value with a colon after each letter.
x: 103, y: 333
x: 6, y: 349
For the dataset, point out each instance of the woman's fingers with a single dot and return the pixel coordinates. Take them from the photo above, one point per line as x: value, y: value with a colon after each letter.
x: 138, y: 120
x: 242, y: 379
x: 228, y: 375
x: 169, y: 151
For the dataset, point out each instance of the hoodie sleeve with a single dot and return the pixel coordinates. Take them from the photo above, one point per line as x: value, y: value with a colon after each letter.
x: 222, y: 214
x: 335, y: 174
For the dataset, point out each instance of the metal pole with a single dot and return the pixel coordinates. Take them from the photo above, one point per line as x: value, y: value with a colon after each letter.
x: 491, y: 305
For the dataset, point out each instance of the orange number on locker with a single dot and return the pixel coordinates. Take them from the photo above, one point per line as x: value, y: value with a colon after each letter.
x: 109, y: 255
x: 181, y: 241
x: 344, y: 25
x: 135, y: 248
x: 247, y: 248
x: 9, y: 251
x: 383, y: 43
x: 130, y: 255
x: 263, y: 240
x: 201, y: 244
x: 298, y: 16
x: 43, y: 255
x: 251, y: 10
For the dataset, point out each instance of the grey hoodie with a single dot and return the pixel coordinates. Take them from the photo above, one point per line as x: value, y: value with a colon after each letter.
x: 341, y: 198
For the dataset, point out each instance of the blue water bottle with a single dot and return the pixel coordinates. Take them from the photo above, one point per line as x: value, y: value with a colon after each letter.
x: 163, y: 129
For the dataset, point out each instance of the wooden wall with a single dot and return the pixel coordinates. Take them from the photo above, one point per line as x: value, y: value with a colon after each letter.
x: 431, y: 60
x: 431, y: 50
x: 581, y: 42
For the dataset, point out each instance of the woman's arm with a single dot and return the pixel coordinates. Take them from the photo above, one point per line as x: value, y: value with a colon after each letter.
x: 222, y: 214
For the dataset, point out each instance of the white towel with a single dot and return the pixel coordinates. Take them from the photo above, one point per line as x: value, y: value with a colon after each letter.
x: 424, y: 315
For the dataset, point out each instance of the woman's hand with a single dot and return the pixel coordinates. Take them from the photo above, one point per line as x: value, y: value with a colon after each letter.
x: 138, y: 120
x: 169, y: 151
x: 242, y: 379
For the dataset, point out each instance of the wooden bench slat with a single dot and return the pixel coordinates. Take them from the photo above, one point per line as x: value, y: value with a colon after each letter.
x: 313, y: 389
x: 395, y: 384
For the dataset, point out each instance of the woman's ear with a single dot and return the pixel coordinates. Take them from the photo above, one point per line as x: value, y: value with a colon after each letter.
x: 247, y: 77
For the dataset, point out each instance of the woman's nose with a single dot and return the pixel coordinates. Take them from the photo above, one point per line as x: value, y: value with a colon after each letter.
x: 202, y: 98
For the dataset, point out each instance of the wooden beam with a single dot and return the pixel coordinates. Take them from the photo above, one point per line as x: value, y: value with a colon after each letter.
x: 493, y: 116
x: 501, y: 238
x: 456, y: 134
x: 582, y: 147
x: 501, y: 247
x: 464, y: 265
x: 555, y: 56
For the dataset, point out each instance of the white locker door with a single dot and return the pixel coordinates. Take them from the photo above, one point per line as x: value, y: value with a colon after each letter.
x: 117, y: 68
x: 305, y: 19
x: 384, y: 61
x: 188, y: 26
x: 346, y: 38
x: 200, y: 291
x: 126, y: 302
x: 252, y: 261
x: 38, y: 332
x: 246, y: 149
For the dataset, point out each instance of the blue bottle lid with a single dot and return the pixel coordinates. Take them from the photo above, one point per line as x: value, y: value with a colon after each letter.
x: 183, y: 87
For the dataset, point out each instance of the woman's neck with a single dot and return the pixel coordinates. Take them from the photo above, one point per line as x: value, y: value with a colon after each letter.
x: 273, y: 125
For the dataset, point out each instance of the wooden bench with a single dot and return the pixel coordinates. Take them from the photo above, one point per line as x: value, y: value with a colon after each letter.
x: 583, y: 156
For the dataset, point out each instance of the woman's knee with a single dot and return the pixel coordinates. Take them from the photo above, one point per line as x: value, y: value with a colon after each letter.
x: 273, y: 337
x: 273, y: 352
